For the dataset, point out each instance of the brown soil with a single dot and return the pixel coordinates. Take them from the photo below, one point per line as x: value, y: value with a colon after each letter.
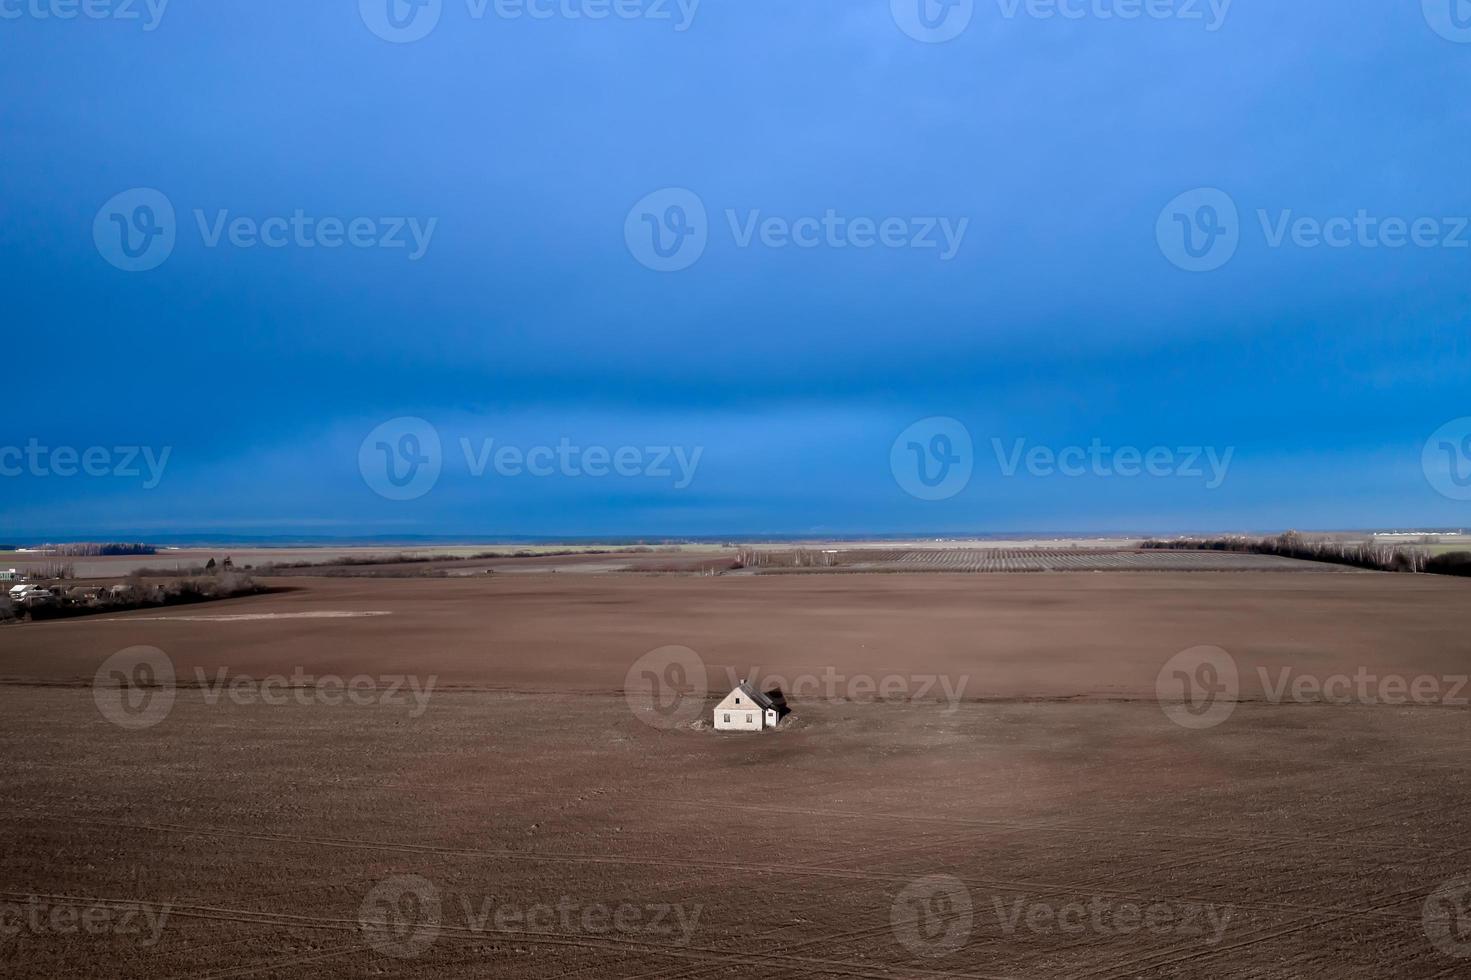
x: 1314, y: 833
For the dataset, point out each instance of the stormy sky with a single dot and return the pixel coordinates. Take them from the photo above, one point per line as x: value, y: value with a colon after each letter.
x: 644, y: 267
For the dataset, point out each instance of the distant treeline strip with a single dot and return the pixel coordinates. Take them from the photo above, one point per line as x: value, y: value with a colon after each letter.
x: 95, y: 549
x: 134, y: 594
x: 1378, y: 557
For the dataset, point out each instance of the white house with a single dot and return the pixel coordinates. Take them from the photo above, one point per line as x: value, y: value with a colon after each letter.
x: 11, y: 575
x: 745, y: 709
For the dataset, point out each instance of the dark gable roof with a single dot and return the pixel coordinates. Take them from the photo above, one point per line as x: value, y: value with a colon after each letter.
x: 756, y: 696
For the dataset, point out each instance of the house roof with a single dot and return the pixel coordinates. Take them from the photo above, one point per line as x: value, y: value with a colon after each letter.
x: 756, y: 696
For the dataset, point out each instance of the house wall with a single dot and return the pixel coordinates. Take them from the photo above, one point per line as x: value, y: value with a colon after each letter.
x: 738, y: 716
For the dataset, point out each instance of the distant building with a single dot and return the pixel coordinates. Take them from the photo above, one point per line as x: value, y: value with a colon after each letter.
x: 746, y: 709
x: 11, y: 575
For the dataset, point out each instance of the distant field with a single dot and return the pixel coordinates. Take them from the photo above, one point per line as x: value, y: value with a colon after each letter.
x: 1056, y: 635
x: 891, y: 544
x: 106, y: 567
x: 942, y: 554
x: 1085, y: 560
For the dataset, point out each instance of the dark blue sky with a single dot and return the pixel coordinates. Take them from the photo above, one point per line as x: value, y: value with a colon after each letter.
x: 1056, y: 150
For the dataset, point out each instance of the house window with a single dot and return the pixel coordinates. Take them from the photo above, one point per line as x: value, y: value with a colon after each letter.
x: 738, y: 700
x: 748, y: 717
x: 727, y: 718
